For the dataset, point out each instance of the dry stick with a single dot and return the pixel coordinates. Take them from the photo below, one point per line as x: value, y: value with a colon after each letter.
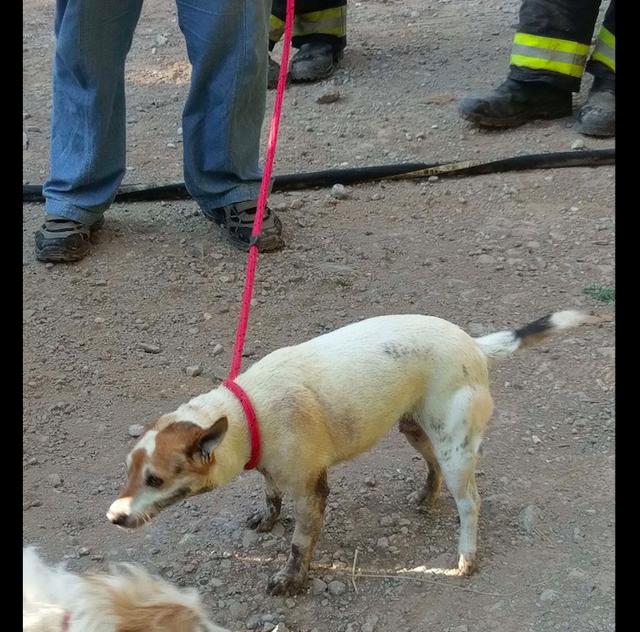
x: 445, y: 584
x: 353, y: 570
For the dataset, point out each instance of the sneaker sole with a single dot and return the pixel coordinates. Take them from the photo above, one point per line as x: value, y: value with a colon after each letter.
x: 272, y: 244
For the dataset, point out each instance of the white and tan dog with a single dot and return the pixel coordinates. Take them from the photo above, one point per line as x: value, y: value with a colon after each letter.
x: 325, y: 401
x: 127, y: 600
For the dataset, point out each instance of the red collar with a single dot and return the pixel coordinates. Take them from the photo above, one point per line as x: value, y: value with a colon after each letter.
x: 252, y: 422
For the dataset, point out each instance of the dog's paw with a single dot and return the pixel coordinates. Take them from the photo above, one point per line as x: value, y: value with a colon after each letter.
x: 424, y: 499
x: 467, y: 565
x: 261, y: 521
x: 285, y: 584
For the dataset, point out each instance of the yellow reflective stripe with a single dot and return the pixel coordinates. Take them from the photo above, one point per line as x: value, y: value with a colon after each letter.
x: 324, y: 14
x: 326, y: 22
x: 607, y: 61
x: 553, y: 55
x: 607, y: 37
x: 605, y: 50
x: 276, y: 28
x: 537, y: 63
x: 551, y: 43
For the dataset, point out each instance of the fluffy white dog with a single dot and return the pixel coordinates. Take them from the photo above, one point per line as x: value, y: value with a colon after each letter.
x: 127, y: 600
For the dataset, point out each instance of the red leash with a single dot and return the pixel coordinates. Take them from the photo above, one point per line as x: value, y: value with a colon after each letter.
x: 252, y: 260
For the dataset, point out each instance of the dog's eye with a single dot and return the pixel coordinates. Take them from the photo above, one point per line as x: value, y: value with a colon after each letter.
x: 154, y: 481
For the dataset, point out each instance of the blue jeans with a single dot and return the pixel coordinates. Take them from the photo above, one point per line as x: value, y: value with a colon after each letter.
x: 221, y: 122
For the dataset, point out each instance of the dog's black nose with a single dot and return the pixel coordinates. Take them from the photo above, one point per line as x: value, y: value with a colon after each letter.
x: 116, y: 518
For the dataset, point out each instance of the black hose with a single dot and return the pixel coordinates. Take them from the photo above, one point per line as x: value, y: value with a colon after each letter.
x: 296, y: 181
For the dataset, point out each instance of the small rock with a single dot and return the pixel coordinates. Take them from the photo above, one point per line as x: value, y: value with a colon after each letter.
x: 370, y: 481
x: 460, y: 628
x: 217, y: 349
x: 55, y: 480
x: 194, y: 370
x: 536, y: 439
x: 328, y: 96
x: 149, y: 347
x: 83, y: 550
x: 253, y: 621
x: 370, y: 624
x: 135, y: 430
x: 281, y: 627
x: 486, y: 259
x: 578, y: 536
x: 317, y: 586
x: 249, y: 539
x: 339, y: 191
x: 383, y: 543
x: 577, y: 144
x: 337, y: 588
x: 527, y: 519
x: 160, y: 40
x: 548, y: 595
x: 238, y: 610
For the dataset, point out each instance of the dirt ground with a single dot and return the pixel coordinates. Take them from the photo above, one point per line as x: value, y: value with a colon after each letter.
x: 485, y: 252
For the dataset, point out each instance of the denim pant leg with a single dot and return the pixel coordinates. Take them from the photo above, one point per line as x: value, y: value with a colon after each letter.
x: 88, y: 130
x: 222, y: 119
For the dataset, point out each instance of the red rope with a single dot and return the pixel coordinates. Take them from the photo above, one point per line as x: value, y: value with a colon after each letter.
x: 265, y: 186
x: 252, y: 259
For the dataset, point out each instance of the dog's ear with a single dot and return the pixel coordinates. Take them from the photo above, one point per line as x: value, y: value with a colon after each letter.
x: 209, y: 440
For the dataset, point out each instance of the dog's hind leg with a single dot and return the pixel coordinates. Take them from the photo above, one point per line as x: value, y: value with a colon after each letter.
x: 265, y: 519
x: 417, y: 437
x: 309, y: 513
x: 456, y: 432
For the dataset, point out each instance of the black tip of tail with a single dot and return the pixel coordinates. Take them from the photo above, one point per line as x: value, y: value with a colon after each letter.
x: 536, y: 328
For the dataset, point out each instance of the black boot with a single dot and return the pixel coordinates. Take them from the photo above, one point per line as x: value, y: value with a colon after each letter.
x: 516, y: 102
x: 597, y: 117
x: 314, y: 61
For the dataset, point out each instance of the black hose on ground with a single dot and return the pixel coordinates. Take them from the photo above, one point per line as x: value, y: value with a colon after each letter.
x: 407, y: 170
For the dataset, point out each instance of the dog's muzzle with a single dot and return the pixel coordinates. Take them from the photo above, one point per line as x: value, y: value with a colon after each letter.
x: 120, y: 513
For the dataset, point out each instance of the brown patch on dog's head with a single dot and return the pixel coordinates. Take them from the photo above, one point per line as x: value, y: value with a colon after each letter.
x: 169, y: 462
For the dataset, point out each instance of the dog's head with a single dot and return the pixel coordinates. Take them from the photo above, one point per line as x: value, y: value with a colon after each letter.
x: 172, y: 460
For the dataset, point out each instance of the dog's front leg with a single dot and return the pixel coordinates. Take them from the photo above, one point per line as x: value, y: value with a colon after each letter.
x: 264, y: 520
x: 309, y: 512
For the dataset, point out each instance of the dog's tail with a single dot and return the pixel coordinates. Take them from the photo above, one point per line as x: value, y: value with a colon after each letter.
x: 503, y: 343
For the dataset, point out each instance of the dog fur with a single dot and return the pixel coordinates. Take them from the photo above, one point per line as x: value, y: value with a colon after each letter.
x: 325, y: 401
x: 127, y: 600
